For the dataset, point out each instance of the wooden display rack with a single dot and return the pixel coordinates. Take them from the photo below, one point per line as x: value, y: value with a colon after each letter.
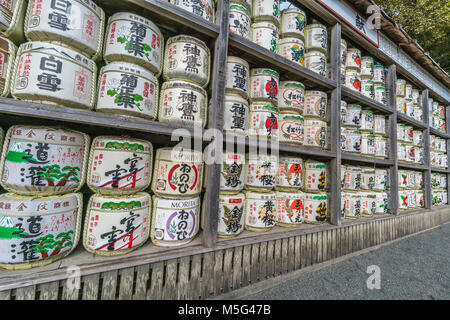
x: 209, y: 266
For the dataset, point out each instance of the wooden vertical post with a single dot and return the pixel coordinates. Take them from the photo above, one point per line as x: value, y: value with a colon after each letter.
x: 392, y: 103
x: 427, y: 174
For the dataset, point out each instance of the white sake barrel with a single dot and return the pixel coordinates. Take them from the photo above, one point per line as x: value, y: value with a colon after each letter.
x: 409, y: 133
x: 246, y: 3
x: 368, y: 144
x: 442, y: 111
x: 368, y: 204
x: 260, y: 211
x: 11, y: 19
x: 315, y: 133
x: 418, y: 138
x: 367, y: 67
x: 236, y: 115
x: 420, y: 199
x: 381, y: 179
x: 316, y: 61
x: 401, y: 88
x: 418, y: 113
x: 7, y: 58
x: 416, y: 98
x: 290, y: 174
x: 382, y: 203
x: 117, y: 225
x: 266, y: 10
x: 266, y: 35
x: 119, y: 165
x: 293, y: 23
x: 379, y: 125
x: 316, y: 105
x: 187, y: 58
x: 343, y: 53
x: 367, y: 88
x: 401, y: 132
x: 402, y: 152
x: 353, y: 141
x: 367, y: 120
x: 240, y: 20
x: 402, y: 178
x: 316, y: 178
x: 403, y: 202
x: 381, y: 143
x: 291, y: 128
x: 290, y: 208
x: 237, y: 77
x: 379, y: 76
x: 315, y: 208
x: 408, y: 92
x: 37, y: 231
x: 343, y: 111
x: 292, y: 49
x: 367, y: 178
x: 409, y: 108
x: 264, y: 120
x: 419, y: 155
x: 183, y: 103
x: 343, y: 138
x: 40, y: 160
x: 132, y: 38
x: 353, y: 79
x: 401, y: 104
x: 128, y: 89
x: 264, y: 85
x: 261, y: 172
x: 54, y: 74
x: 380, y: 94
x: 231, y: 215
x: 175, y: 222
x: 316, y: 38
x: 177, y: 172
x: 351, y: 178
x: 353, y: 60
x: 204, y: 9
x: 79, y: 24
x: 351, y: 205
x: 232, y: 172
x: 291, y: 96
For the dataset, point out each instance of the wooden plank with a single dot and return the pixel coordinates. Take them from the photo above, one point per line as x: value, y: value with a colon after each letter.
x: 277, y: 257
x: 314, y: 248
x: 91, y: 286
x: 195, y: 279
x: 320, y: 236
x: 142, y: 276
x: 156, y: 281
x: 50, y: 290
x: 169, y: 291
x: 308, y: 249
x: 71, y: 288
x: 109, y: 285
x: 26, y: 293
x: 298, y: 253
x: 270, y: 259
x: 262, y: 261
x: 183, y: 278
x: 228, y: 270
x: 126, y: 283
x: 246, y: 260
x: 207, y: 275
x: 218, y: 271
x: 350, y: 239
x: 237, y: 268
x: 284, y: 255
x: 5, y: 295
x: 325, y: 245
x: 291, y: 254
x: 254, y: 269
x: 303, y: 250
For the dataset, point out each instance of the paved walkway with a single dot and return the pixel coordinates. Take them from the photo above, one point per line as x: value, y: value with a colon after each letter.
x: 417, y: 267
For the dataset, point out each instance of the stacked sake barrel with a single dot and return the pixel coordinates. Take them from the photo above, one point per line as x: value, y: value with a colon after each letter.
x: 437, y: 116
x: 439, y: 191
x: 362, y: 131
x: 410, y: 144
x: 204, y: 9
x: 293, y: 35
x: 364, y: 191
x: 409, y: 100
x: 42, y: 168
x: 316, y: 46
x: 118, y: 214
x: 438, y: 152
x: 410, y: 189
x: 265, y: 26
x: 11, y: 20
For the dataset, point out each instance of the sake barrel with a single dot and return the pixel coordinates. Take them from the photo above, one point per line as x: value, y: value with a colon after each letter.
x: 368, y: 144
x: 11, y: 19
x: 381, y: 146
x: 292, y: 49
x: 135, y: 39
x: 353, y: 141
x: 293, y: 23
x: 379, y: 124
x: 343, y: 53
x: 351, y: 178
x: 379, y: 76
x: 265, y: 34
x: 409, y: 133
x: 174, y: 222
x: 239, y: 20
x: 381, y: 179
x: 316, y: 61
x: 409, y: 108
x: 408, y: 92
x: 418, y: 138
x: 260, y: 211
x: 36, y: 231
x: 402, y: 178
x: 183, y: 103
x: 119, y: 165
x: 401, y: 131
x: 232, y: 172
x: 236, y: 115
x: 40, y: 160
x: 261, y: 172
x: 316, y: 105
x: 420, y: 199
x: 416, y: 96
x: 79, y: 24
x: 367, y: 88
x: 316, y: 133
x: 367, y: 120
x: 54, y: 74
x: 351, y: 205
x: 315, y: 208
x: 246, y: 3
x: 401, y: 104
x: 266, y: 10
x: 291, y: 128
x: 402, y: 152
x: 343, y: 111
x: 419, y: 155
x: 316, y: 38
x: 353, y: 79
x: 401, y: 88
x: 315, y: 176
x: 204, y: 9
x: 403, y: 199
x: 117, y: 225
x: 367, y: 178
x: 290, y: 208
x: 291, y: 96
x: 368, y: 204
x: 237, y: 76
x: 7, y: 58
x: 290, y: 174
x: 177, y: 172
x: 231, y: 215
x: 367, y: 67
x: 380, y: 94
x: 263, y: 121
x: 187, y: 58
x: 353, y: 60
x: 264, y: 85
x: 382, y: 203
x: 128, y: 89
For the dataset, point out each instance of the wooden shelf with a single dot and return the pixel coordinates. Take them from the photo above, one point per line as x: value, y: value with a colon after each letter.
x: 258, y: 56
x: 439, y: 133
x: 364, y: 159
x: 351, y: 96
x: 411, y: 121
x: 440, y: 170
x: 412, y: 166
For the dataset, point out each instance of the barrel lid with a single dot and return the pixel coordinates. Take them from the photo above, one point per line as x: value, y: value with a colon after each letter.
x: 163, y: 203
x: 290, y: 195
x: 293, y: 10
x: 236, y: 6
x: 129, y: 67
x: 234, y: 59
x: 135, y: 18
x: 237, y: 98
x: 263, y: 106
x: 115, y: 143
x: 187, y: 38
x: 316, y: 25
x: 314, y: 53
x: 291, y: 40
x: 264, y: 24
x: 135, y: 201
x: 315, y: 93
x: 291, y: 116
x: 34, y: 205
x: 182, y: 84
x: 292, y: 84
x: 260, y: 195
x: 180, y: 155
x: 264, y: 71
